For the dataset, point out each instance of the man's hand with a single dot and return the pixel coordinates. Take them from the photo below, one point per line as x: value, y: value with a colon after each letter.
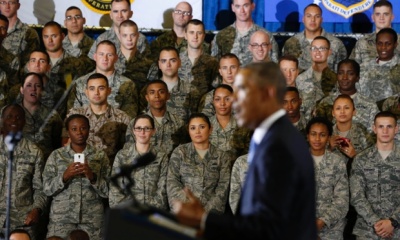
x: 32, y: 217
x: 384, y: 228
x: 191, y: 212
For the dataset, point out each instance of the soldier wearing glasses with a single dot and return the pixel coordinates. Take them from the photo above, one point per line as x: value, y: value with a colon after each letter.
x: 298, y: 44
x: 260, y: 46
x: 76, y: 43
x: 318, y: 81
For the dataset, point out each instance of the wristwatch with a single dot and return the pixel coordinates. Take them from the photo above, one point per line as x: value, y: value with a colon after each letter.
x: 395, y: 223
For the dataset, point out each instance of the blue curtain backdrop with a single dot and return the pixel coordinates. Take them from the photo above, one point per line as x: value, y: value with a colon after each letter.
x: 217, y: 14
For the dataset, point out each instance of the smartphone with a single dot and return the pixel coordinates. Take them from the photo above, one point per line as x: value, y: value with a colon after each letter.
x: 344, y: 142
x: 79, y: 157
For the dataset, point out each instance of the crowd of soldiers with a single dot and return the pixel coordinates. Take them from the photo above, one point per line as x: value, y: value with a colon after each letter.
x: 87, y: 107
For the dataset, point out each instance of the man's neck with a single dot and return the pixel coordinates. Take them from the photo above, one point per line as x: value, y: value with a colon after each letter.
x: 319, y: 67
x: 313, y: 34
x: 172, y: 79
x: 294, y: 119
x: 226, y: 83
x: 244, y: 25
x: 12, y: 21
x: 385, y: 146
x: 128, y: 53
x: 179, y: 31
x: 158, y: 112
x: 348, y: 92
x: 194, y: 53
x: 105, y: 73
x: 56, y: 54
x: 116, y: 29
x: 75, y: 37
x: 99, y: 109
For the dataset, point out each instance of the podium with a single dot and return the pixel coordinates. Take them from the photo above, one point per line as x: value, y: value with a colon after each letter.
x: 126, y: 223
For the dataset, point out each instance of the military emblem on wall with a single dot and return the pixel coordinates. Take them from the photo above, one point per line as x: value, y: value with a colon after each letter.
x: 347, y: 8
x: 99, y: 6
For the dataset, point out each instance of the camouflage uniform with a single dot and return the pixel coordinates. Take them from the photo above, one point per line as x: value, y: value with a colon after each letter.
x: 4, y: 89
x: 27, y: 190
x: 207, y: 178
x: 392, y: 104
x: 136, y: 69
x: 206, y: 105
x: 229, y: 41
x: 123, y: 93
x: 365, y: 109
x: 20, y: 42
x: 43, y: 127
x: 332, y: 195
x: 233, y: 140
x: 299, y: 46
x: 169, y: 39
x: 149, y: 182
x: 378, y: 82
x: 107, y: 131
x: 142, y: 44
x: 82, y: 48
x: 301, y: 125
x: 76, y: 203
x: 201, y: 74
x: 239, y: 172
x: 365, y: 48
x: 374, y: 188
x: 169, y: 134
x: 311, y: 90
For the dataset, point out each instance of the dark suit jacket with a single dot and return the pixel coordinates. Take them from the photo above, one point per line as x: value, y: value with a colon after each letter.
x: 278, y: 196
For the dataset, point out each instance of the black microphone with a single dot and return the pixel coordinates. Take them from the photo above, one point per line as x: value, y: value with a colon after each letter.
x: 126, y: 169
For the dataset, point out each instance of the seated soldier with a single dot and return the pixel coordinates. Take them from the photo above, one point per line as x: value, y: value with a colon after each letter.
x: 108, y: 124
x: 170, y: 127
x: 292, y: 104
x: 260, y: 46
x: 229, y: 65
x: 43, y: 125
x: 75, y: 176
x: 226, y: 134
x: 238, y: 175
x: 27, y: 198
x: 149, y: 186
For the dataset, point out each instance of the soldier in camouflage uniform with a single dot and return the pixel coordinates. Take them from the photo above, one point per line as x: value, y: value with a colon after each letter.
x: 236, y: 37
x: 348, y: 74
x: 123, y: 90
x: 108, y: 124
x: 365, y: 48
x: 374, y: 184
x: 198, y: 67
x: 289, y: 66
x: 170, y: 128
x: 292, y: 104
x: 131, y: 63
x: 332, y: 185
x: 27, y: 197
x: 43, y: 125
x: 120, y: 11
x: 380, y: 78
x: 238, y: 175
x: 176, y: 36
x: 226, y: 134
x: 78, y: 189
x: 21, y: 40
x: 229, y: 65
x: 299, y: 45
x: 199, y: 166
x: 76, y: 43
x: 260, y: 46
x: 149, y: 181
x: 319, y: 80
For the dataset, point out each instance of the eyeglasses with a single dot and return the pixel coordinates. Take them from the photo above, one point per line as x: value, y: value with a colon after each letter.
x: 8, y: 3
x: 77, y: 17
x: 263, y: 45
x: 139, y: 129
x: 319, y: 49
x: 184, y: 13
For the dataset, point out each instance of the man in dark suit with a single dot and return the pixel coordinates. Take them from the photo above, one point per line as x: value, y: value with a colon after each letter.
x: 278, y: 197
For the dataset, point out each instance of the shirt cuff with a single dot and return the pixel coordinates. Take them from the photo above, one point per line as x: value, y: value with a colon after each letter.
x: 203, y: 221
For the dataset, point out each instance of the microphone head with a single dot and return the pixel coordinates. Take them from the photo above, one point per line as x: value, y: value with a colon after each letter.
x: 144, y: 160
